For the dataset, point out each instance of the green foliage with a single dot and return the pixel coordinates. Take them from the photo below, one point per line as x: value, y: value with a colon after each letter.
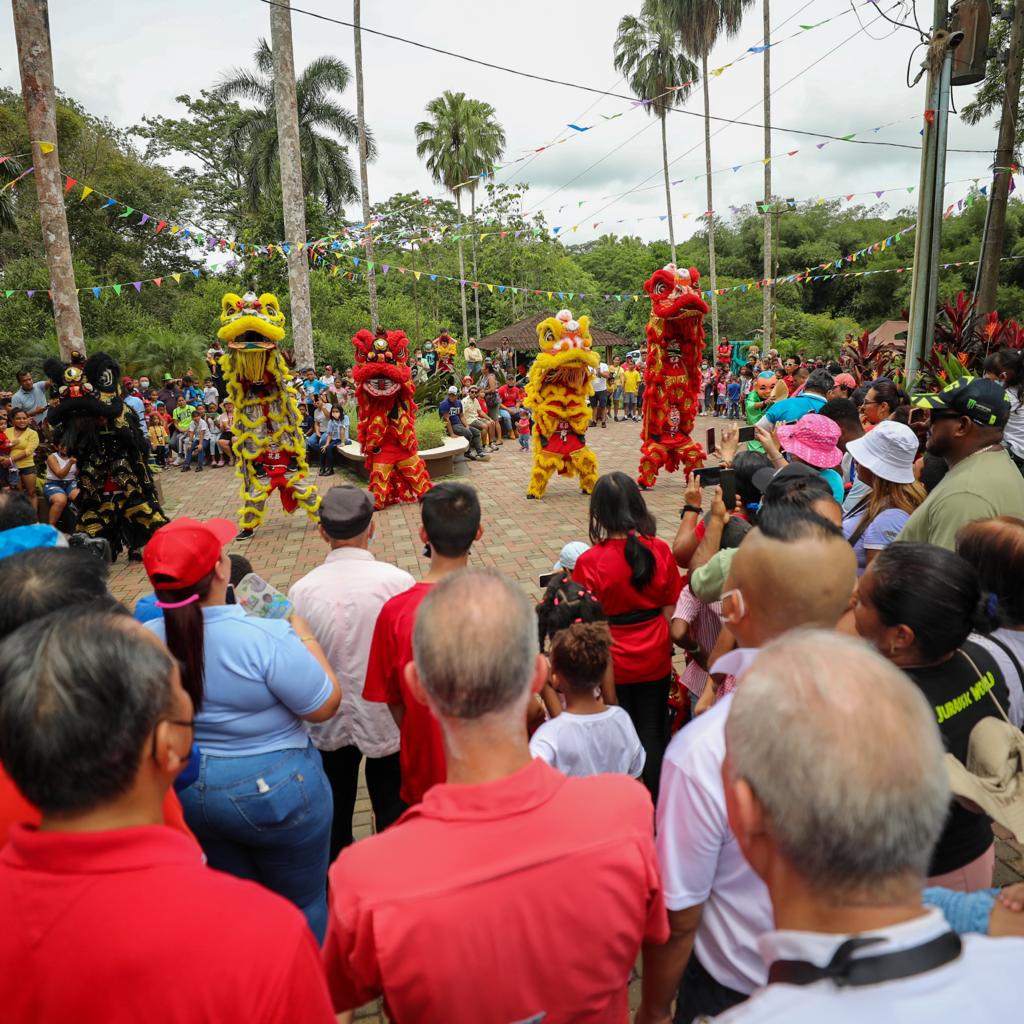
x: 430, y: 431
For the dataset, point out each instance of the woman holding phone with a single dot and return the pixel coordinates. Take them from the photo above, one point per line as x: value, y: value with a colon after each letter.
x: 261, y: 807
x: 634, y: 576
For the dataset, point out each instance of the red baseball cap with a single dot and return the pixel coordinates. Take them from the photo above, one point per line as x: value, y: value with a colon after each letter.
x: 181, y: 553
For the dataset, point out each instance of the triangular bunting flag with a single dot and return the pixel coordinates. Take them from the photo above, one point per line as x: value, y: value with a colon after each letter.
x: 86, y: 190
x: 117, y: 289
x: 96, y: 292
x: 72, y: 182
x: 137, y: 285
x: 128, y: 211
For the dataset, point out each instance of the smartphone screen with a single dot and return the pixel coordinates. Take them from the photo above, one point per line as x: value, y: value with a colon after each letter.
x: 711, y: 440
x: 727, y: 481
x: 746, y: 434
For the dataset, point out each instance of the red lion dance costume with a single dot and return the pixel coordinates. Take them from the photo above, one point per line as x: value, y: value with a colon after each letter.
x: 672, y: 379
x: 387, y: 418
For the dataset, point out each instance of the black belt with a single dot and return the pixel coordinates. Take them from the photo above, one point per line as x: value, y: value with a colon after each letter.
x: 843, y: 970
x: 633, y: 618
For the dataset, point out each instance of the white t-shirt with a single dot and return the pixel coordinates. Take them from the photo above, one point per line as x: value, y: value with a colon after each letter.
x: 600, y: 383
x: 590, y: 744
x: 211, y: 396
x: 1014, y: 640
x: 1013, y: 432
x: 700, y: 860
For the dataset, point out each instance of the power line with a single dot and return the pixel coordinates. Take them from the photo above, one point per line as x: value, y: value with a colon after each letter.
x: 558, y: 81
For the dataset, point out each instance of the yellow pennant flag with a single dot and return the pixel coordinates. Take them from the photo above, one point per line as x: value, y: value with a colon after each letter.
x: 549, y: 295
x: 416, y: 274
x: 483, y: 236
x: 766, y: 160
x: 86, y: 189
x: 177, y: 277
x: 490, y: 288
x: 46, y: 147
x: 176, y: 229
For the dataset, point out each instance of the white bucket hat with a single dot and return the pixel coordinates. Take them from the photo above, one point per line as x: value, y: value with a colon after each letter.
x: 889, y: 451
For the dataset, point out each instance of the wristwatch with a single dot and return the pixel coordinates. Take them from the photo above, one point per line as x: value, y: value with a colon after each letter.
x: 690, y: 508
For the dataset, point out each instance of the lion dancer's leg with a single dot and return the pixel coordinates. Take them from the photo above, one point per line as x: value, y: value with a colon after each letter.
x: 381, y: 483
x: 253, y: 492
x: 585, y: 462
x: 653, y: 457
x: 299, y: 492
x: 414, y: 477
x: 544, y: 467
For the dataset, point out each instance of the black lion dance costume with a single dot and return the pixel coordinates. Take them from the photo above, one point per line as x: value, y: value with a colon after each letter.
x: 117, y: 497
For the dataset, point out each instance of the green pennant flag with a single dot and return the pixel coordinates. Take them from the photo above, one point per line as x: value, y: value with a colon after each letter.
x: 117, y: 289
x: 369, y: 264
x: 128, y: 211
x: 764, y: 207
x: 8, y: 293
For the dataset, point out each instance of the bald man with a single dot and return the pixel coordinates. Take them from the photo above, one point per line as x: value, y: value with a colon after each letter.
x: 794, y: 570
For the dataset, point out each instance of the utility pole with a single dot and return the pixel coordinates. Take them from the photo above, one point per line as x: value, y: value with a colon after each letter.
x: 32, y: 30
x: 769, y: 291
x: 928, y: 233
x: 364, y: 188
x: 987, y: 282
x: 293, y: 196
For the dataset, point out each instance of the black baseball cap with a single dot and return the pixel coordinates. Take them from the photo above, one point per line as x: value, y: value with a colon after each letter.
x: 982, y: 400
x: 763, y: 477
x: 346, y: 511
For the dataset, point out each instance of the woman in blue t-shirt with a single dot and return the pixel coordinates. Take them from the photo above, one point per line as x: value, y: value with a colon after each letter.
x: 261, y: 806
x: 885, y: 462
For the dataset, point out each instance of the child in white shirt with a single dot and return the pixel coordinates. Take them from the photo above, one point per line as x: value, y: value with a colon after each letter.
x: 589, y: 736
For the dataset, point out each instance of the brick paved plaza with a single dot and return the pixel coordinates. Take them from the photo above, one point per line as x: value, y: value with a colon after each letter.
x: 521, y: 538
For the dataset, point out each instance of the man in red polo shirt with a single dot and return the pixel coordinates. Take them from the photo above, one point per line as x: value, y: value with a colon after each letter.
x: 109, y: 916
x: 451, y: 525
x: 510, y: 893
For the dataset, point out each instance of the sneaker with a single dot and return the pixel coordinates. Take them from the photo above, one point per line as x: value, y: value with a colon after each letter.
x: 471, y: 455
x: 186, y: 469
x: 245, y: 534
x: 484, y: 457
x: 199, y: 469
x: 604, y: 423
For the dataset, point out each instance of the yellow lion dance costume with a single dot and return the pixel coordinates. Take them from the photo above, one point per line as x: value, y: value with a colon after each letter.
x: 267, y: 431
x: 557, y: 392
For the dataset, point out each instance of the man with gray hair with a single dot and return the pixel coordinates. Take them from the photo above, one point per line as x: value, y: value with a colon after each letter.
x: 109, y: 915
x: 510, y: 893
x: 841, y: 833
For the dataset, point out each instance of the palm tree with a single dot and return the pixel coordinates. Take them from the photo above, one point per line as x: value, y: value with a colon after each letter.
x: 460, y: 141
x: 649, y: 55
x: 326, y: 169
x: 699, y: 23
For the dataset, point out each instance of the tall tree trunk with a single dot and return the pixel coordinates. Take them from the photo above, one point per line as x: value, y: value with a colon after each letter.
x: 364, y: 186
x: 292, y: 192
x: 32, y: 29
x: 462, y: 270
x: 993, y: 239
x: 476, y: 291
x: 768, y: 290
x: 712, y: 273
x: 668, y: 191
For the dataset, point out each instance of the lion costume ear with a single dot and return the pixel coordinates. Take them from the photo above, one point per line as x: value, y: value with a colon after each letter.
x: 361, y: 342
x: 229, y: 306
x: 694, y: 276
x: 584, y: 322
x: 271, y: 308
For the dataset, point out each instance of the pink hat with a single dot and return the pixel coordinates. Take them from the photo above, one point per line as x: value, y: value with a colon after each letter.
x: 845, y: 380
x: 812, y: 439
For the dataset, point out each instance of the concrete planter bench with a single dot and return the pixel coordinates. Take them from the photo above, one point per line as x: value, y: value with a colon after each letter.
x: 440, y: 461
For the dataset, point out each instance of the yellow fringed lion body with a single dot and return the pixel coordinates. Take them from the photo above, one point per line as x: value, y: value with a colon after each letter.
x: 267, y: 426
x: 557, y: 393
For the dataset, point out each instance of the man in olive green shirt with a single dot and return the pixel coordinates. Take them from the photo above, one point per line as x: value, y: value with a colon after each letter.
x: 966, y: 430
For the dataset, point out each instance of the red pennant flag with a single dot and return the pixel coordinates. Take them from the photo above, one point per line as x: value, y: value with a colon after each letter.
x: 50, y: 294
x: 158, y: 281
x: 849, y: 197
x: 161, y: 226
x: 72, y: 182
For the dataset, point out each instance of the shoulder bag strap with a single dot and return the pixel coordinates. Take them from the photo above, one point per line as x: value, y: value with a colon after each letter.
x: 995, y: 699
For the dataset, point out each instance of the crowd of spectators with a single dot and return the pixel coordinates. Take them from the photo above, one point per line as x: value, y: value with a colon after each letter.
x: 790, y: 818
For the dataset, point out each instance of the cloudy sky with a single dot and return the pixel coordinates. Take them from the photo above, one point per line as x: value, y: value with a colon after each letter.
x: 128, y: 58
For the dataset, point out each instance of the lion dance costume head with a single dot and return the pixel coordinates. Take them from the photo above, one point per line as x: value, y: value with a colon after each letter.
x: 672, y: 378
x: 557, y: 392
x: 267, y: 426
x: 117, y: 497
x: 387, y: 418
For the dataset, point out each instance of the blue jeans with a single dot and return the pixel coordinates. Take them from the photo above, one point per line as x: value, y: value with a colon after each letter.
x: 473, y: 369
x: 194, y: 448
x: 504, y: 417
x: 267, y: 817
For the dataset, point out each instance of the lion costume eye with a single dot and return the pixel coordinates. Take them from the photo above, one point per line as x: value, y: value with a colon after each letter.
x: 549, y: 336
x: 660, y: 288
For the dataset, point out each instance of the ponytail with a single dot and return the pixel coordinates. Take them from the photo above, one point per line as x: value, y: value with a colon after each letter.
x: 640, y: 559
x: 183, y: 628
x: 565, y: 603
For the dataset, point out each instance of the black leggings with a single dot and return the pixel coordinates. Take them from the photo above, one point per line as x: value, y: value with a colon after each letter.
x: 647, y: 706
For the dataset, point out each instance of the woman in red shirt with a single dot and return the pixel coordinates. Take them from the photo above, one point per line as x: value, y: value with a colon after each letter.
x: 634, y: 576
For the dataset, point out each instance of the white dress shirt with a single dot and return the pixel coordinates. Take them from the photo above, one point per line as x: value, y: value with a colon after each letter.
x: 982, y: 984
x: 341, y: 600
x: 700, y: 859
